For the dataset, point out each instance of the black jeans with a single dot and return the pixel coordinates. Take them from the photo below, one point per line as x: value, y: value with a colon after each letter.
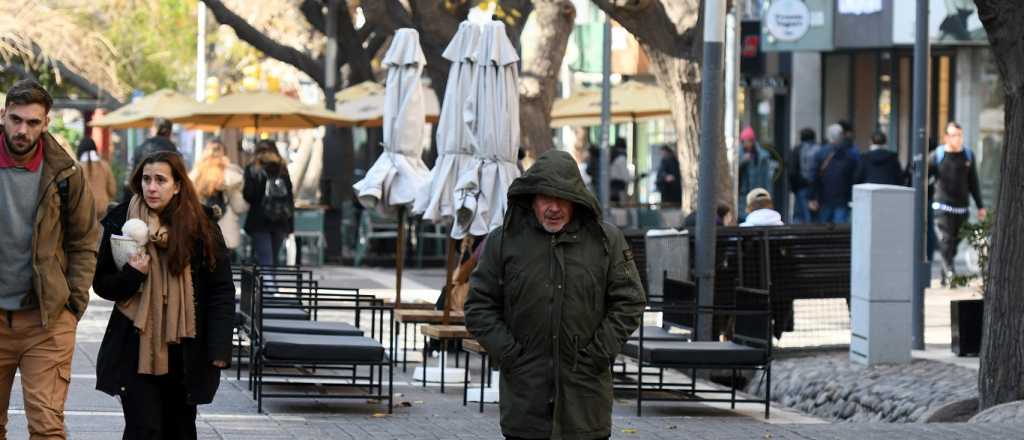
x: 520, y: 438
x: 947, y: 227
x: 155, y: 407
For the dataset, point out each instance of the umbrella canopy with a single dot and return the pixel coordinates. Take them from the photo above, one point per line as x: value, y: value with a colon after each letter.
x: 492, y: 114
x: 363, y: 103
x: 399, y: 172
x: 141, y: 112
x: 261, y: 110
x: 455, y: 151
x: 631, y: 101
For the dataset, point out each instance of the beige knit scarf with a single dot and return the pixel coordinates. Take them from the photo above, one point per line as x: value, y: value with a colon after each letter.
x: 163, y: 310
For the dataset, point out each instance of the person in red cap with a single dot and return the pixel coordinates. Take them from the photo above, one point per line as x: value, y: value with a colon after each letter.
x: 756, y: 167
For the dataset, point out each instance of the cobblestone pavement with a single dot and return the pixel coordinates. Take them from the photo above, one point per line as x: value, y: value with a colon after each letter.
x: 425, y: 413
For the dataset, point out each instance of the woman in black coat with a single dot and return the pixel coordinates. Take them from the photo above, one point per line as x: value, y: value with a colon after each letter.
x: 268, y: 190
x: 163, y: 357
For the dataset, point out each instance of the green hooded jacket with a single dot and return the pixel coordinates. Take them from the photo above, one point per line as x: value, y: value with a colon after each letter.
x: 553, y: 310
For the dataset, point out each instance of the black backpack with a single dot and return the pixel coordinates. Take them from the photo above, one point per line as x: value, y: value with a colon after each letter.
x: 277, y: 201
x: 217, y: 203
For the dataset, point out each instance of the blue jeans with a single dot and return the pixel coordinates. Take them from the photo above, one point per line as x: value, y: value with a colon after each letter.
x: 837, y: 214
x: 802, y: 213
x: 266, y: 246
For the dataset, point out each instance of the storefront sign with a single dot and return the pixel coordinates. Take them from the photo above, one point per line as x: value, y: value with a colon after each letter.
x: 787, y: 20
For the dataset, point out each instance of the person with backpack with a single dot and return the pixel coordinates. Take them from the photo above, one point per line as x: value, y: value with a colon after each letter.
x: 836, y: 166
x: 954, y: 177
x: 268, y: 190
x: 50, y: 234
x: 218, y: 184
x: 801, y: 173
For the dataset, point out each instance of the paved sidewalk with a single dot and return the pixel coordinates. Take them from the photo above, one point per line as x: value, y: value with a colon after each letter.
x: 427, y: 414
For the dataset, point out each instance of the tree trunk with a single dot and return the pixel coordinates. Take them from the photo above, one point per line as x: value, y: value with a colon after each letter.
x: 1002, y: 344
x: 539, y: 79
x: 669, y: 30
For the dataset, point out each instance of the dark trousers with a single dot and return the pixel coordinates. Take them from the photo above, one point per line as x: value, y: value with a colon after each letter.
x: 520, y: 438
x: 267, y: 246
x: 155, y: 407
x: 947, y: 226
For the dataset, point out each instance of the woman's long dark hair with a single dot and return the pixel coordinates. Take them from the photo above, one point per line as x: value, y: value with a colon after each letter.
x: 183, y: 216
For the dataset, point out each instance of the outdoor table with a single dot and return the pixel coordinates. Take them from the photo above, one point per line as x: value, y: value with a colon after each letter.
x: 473, y: 346
x: 406, y: 316
x: 443, y: 333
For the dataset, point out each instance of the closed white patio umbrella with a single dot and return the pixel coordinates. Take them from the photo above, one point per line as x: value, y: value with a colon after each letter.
x: 436, y: 201
x: 492, y: 115
x: 398, y: 174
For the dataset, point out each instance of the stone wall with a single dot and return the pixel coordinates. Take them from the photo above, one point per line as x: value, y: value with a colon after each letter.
x: 830, y: 386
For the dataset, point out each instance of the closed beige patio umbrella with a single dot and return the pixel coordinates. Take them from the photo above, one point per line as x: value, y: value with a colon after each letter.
x: 141, y: 112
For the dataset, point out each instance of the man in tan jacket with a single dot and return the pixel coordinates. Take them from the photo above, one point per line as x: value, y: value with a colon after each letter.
x: 50, y: 233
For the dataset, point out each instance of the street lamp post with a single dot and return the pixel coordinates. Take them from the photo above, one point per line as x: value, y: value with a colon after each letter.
x: 922, y: 268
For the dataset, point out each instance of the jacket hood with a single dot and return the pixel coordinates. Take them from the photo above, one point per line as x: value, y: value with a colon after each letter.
x: 554, y: 174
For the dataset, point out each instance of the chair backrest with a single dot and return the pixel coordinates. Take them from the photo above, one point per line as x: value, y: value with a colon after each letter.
x: 248, y: 292
x: 681, y: 297
x: 753, y: 325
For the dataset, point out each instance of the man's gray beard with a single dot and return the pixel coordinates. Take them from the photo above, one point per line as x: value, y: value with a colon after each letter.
x: 550, y: 229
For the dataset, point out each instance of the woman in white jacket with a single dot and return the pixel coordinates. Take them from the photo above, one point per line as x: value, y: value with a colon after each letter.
x: 218, y: 183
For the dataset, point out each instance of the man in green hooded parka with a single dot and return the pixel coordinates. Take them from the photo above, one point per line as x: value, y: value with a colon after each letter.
x: 554, y: 296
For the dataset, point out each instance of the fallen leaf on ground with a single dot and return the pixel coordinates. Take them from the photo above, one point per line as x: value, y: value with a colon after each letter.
x: 629, y: 431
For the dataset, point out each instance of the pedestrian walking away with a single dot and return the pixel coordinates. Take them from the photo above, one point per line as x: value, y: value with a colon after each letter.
x: 554, y: 296
x: 801, y: 173
x: 954, y: 176
x: 880, y: 165
x: 268, y: 190
x: 836, y: 166
x: 669, y: 180
x: 170, y: 333
x: 49, y: 226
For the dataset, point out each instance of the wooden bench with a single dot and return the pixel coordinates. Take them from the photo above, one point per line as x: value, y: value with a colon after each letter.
x: 445, y: 334
x: 471, y: 346
x: 405, y: 317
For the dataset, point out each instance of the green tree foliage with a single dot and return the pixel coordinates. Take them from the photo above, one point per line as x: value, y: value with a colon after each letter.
x: 155, y: 41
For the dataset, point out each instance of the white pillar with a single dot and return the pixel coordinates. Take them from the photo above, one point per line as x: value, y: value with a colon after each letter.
x: 881, y: 249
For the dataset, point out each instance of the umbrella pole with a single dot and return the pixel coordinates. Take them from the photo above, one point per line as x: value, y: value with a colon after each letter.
x: 449, y: 272
x: 399, y: 256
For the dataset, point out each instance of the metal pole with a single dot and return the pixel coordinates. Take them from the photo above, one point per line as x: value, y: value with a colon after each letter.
x: 710, y: 141
x: 922, y: 266
x: 200, y: 72
x: 604, y: 182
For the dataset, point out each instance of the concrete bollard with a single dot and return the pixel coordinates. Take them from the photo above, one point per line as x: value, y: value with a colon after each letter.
x: 881, y: 274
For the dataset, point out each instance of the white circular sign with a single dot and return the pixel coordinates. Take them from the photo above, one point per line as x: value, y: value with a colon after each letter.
x: 787, y: 20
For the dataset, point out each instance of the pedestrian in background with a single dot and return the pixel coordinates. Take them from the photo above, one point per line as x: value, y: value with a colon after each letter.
x: 169, y: 334
x: 801, y: 173
x: 756, y: 167
x: 553, y: 298
x: 760, y: 209
x: 954, y: 176
x: 669, y: 180
x: 619, y: 174
x: 218, y: 184
x: 98, y: 174
x: 49, y: 229
x: 268, y: 190
x: 832, y: 189
x: 880, y: 165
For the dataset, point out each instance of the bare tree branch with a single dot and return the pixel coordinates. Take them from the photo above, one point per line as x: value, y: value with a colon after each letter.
x: 313, y: 10
x: 651, y: 23
x: 286, y: 54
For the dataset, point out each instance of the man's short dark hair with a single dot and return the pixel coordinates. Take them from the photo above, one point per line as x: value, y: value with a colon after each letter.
x: 723, y: 209
x: 667, y: 149
x: 807, y: 135
x: 847, y: 128
x: 953, y: 124
x: 878, y: 138
x: 27, y: 92
x: 163, y: 127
